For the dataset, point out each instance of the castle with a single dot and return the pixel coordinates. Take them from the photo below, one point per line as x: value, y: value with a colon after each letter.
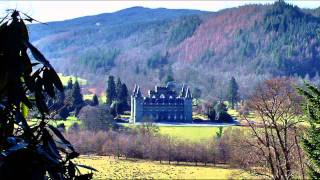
x: 161, y: 104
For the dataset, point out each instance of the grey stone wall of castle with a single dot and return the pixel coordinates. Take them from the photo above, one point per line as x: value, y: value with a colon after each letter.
x: 161, y: 104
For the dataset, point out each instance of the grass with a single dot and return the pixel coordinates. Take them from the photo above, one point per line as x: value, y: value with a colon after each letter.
x: 68, y: 122
x: 88, y: 96
x: 64, y: 79
x: 110, y: 168
x: 189, y: 133
x: 102, y: 99
x: 200, y: 116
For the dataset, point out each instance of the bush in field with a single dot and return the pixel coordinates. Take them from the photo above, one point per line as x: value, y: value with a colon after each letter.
x: 96, y: 118
x: 221, y: 113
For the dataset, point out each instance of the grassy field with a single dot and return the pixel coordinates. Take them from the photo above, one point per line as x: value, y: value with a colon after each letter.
x: 102, y: 99
x: 190, y: 133
x: 64, y: 79
x: 110, y: 168
x: 88, y: 96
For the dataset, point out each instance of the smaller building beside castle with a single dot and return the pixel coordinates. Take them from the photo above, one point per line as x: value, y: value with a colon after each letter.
x: 161, y: 104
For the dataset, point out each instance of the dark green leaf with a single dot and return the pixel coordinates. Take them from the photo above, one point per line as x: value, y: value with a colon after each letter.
x: 55, y: 79
x: 37, y: 54
x: 60, y: 136
x: 47, y: 82
x: 50, y: 145
x: 71, y: 169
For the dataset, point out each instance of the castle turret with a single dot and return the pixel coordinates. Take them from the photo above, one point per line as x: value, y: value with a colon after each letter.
x: 138, y: 93
x: 136, y: 105
x: 183, y: 91
x: 188, y: 106
x: 188, y: 94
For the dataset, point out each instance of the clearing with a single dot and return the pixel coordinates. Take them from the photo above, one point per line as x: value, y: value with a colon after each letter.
x: 111, y: 168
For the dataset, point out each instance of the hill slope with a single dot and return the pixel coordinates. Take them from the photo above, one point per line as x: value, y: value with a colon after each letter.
x: 202, y: 49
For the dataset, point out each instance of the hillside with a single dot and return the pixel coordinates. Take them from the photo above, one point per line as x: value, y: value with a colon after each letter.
x: 203, y: 49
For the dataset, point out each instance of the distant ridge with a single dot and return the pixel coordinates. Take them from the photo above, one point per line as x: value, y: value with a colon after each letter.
x: 203, y: 49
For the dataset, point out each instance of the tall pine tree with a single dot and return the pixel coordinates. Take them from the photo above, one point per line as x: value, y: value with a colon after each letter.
x: 111, y: 90
x: 124, y: 94
x: 70, y: 84
x: 77, y: 97
x: 118, y: 89
x: 76, y: 94
x: 95, y: 100
x: 311, y: 142
x: 233, y: 92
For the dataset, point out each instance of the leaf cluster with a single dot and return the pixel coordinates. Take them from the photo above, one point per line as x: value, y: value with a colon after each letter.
x: 29, y: 152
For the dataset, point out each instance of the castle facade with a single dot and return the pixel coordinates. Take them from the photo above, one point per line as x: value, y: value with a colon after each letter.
x: 161, y: 104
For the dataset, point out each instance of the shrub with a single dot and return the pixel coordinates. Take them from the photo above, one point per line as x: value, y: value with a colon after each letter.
x: 96, y: 118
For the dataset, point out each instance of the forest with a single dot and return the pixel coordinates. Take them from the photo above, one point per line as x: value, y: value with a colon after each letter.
x: 202, y: 49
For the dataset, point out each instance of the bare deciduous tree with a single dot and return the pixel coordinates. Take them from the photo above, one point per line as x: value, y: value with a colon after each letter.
x: 277, y: 109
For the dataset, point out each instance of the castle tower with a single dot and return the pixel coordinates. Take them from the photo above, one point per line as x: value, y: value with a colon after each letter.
x: 188, y: 106
x: 183, y: 91
x: 131, y: 120
x: 136, y: 105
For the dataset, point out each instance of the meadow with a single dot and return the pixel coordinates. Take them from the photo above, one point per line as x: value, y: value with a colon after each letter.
x: 64, y: 79
x: 189, y: 133
x: 112, y: 168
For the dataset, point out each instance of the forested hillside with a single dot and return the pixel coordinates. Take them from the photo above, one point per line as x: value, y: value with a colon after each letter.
x: 203, y: 49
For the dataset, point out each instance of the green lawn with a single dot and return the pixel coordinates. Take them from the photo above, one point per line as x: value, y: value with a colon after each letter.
x: 64, y: 79
x: 190, y: 133
x: 88, y: 96
x: 102, y: 99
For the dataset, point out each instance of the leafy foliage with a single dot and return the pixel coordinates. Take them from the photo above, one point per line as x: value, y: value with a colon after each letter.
x: 29, y: 152
x: 96, y: 118
x: 311, y: 141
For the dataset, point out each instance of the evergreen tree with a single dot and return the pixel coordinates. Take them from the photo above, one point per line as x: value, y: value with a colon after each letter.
x: 233, y: 92
x: 311, y: 141
x: 118, y: 89
x: 76, y: 94
x: 111, y: 90
x: 77, y: 97
x: 70, y: 84
x: 169, y: 78
x: 95, y: 100
x: 124, y: 94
